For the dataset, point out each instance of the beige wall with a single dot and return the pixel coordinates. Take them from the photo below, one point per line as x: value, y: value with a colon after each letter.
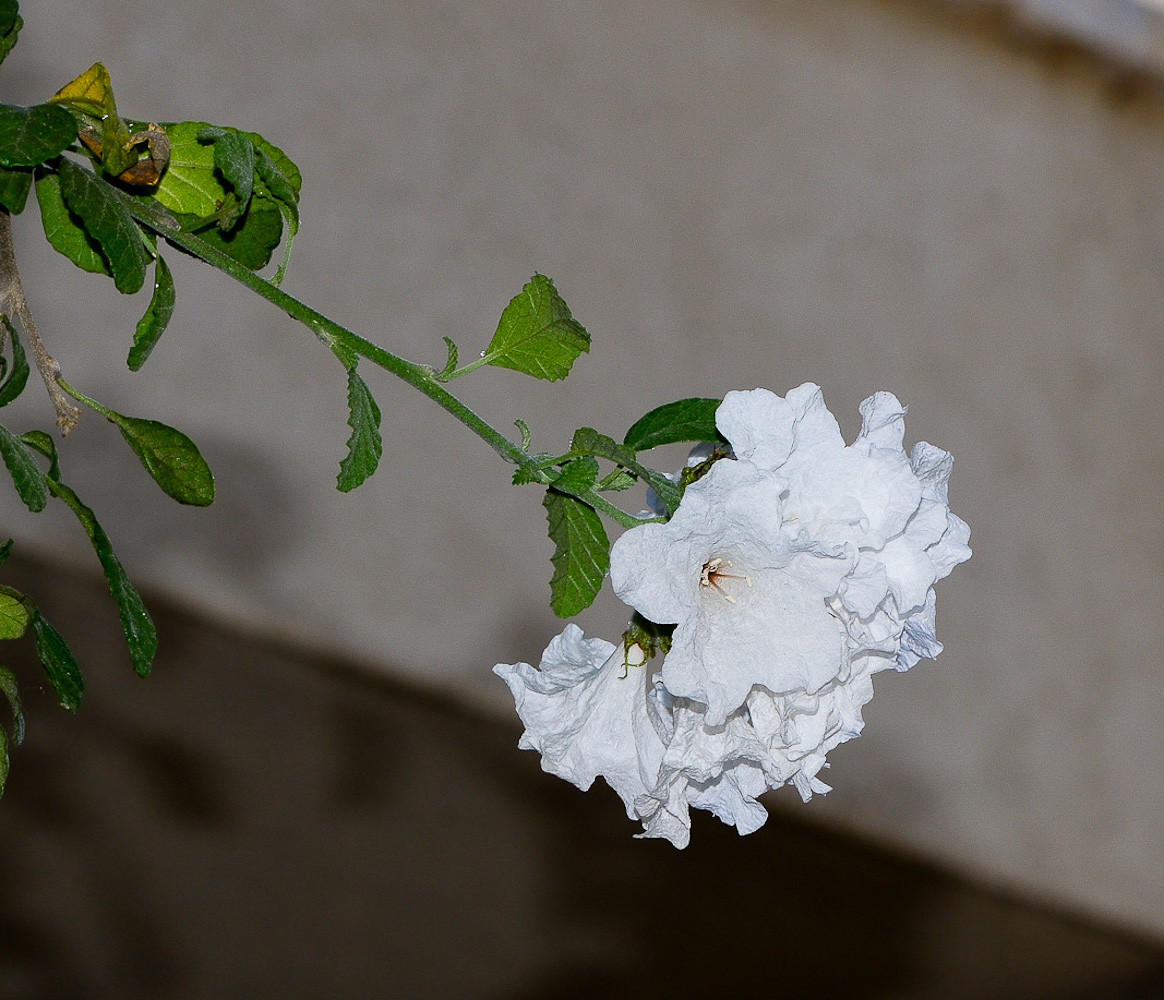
x: 728, y: 194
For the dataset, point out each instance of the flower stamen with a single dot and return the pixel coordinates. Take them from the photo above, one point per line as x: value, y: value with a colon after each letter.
x: 711, y: 574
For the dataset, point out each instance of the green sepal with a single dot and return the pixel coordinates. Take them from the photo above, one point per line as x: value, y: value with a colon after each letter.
x: 581, y: 553
x: 14, y: 185
x: 365, y: 445
x: 157, y: 316
x: 29, y: 136
x: 12, y: 383
x: 106, y: 220
x: 26, y: 474
x: 450, y: 365
x: 537, y: 334
x: 682, y: 420
x: 63, y: 228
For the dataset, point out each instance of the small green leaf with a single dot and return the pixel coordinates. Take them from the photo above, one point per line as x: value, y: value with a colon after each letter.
x: 450, y: 365
x: 107, y: 221
x: 581, y: 553
x: 10, y: 25
x: 29, y: 136
x: 43, y: 443
x: 5, y: 551
x: 253, y: 238
x: 617, y: 480
x: 64, y: 230
x: 14, y: 185
x: 536, y: 334
x: 682, y: 420
x: 26, y: 474
x: 14, y: 384
x: 365, y: 444
x: 140, y: 635
x: 588, y: 441
x: 173, y: 460
x: 14, y: 614
x: 59, y: 664
x: 11, y: 691
x: 153, y: 324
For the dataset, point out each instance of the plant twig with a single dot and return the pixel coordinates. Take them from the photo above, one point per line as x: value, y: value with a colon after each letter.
x: 14, y: 304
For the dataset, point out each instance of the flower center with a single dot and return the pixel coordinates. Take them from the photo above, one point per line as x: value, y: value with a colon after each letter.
x: 713, y: 574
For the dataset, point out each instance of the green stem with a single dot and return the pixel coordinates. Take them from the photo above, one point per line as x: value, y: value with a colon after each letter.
x: 418, y: 376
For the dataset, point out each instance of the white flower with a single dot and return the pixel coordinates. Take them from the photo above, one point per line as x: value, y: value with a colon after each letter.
x: 785, y: 564
x: 792, y: 573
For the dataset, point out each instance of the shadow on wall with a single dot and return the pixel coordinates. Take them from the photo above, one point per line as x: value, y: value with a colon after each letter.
x: 250, y: 824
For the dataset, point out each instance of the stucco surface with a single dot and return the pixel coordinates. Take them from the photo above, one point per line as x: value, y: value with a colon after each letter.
x: 728, y: 195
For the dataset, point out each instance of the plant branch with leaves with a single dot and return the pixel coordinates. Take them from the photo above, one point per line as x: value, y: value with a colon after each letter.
x: 114, y: 195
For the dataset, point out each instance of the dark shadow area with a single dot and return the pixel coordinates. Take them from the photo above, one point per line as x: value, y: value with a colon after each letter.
x: 251, y: 822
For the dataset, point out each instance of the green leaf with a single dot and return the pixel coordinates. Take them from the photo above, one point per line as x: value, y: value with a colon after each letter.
x: 536, y: 334
x: 89, y: 94
x: 577, y: 476
x: 107, y: 221
x: 43, y: 443
x: 253, y: 238
x: 10, y: 25
x: 26, y: 474
x: 11, y: 691
x: 190, y: 186
x: 14, y: 384
x: 140, y: 635
x: 29, y: 136
x: 14, y: 185
x: 365, y: 445
x: 617, y: 480
x: 63, y: 228
x: 173, y: 460
x: 581, y: 553
x: 14, y: 613
x: 58, y: 662
x: 682, y: 420
x: 5, y: 551
x: 153, y: 324
x: 234, y: 156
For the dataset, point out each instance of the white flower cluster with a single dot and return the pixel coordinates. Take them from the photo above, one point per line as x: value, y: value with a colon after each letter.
x: 792, y: 572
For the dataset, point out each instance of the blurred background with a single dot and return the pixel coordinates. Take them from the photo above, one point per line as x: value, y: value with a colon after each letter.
x: 319, y: 794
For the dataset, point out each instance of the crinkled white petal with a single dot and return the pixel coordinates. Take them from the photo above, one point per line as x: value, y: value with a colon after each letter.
x: 587, y: 715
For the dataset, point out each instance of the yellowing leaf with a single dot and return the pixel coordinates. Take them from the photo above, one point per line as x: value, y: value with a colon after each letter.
x: 91, y: 93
